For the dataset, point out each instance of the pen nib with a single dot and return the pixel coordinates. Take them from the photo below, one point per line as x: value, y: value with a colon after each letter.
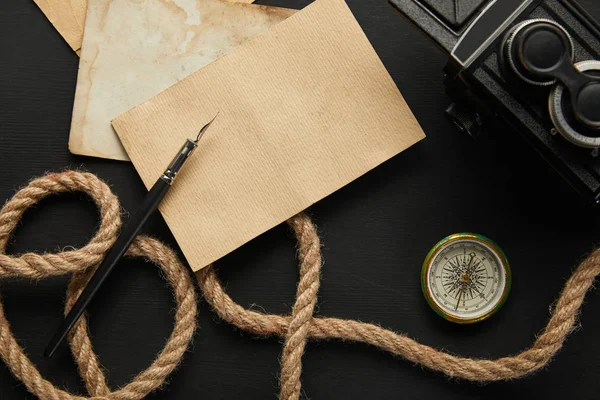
x: 204, y: 128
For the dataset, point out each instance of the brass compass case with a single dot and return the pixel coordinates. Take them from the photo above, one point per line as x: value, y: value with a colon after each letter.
x: 469, y: 265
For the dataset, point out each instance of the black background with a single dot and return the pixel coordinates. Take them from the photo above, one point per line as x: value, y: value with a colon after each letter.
x: 376, y: 232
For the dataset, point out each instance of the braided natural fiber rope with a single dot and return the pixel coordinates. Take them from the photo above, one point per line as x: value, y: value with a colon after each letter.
x: 296, y: 328
x: 80, y: 263
x: 301, y: 325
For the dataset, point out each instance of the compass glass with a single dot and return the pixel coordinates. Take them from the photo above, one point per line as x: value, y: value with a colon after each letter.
x: 466, y: 278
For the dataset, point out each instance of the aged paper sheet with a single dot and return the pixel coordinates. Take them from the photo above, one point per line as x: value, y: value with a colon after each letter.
x: 68, y: 17
x: 132, y: 50
x: 305, y: 109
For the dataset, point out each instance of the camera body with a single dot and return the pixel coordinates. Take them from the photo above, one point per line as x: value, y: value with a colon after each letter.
x: 534, y: 63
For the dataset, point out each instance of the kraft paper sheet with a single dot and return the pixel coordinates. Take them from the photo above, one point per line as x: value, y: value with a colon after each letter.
x: 305, y: 109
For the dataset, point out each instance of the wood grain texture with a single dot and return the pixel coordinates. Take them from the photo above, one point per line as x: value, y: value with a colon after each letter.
x: 375, y: 234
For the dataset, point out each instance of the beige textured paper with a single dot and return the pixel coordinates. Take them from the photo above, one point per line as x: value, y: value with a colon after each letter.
x: 305, y: 109
x: 68, y: 17
x: 133, y: 50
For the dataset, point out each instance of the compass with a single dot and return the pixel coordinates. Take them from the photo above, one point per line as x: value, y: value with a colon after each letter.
x: 466, y: 278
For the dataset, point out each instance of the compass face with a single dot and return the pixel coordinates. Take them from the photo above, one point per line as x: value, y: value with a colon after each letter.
x: 466, y: 278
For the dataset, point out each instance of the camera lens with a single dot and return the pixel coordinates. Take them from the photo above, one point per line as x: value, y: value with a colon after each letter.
x: 564, y: 119
x: 541, y: 47
x: 535, y: 48
x: 588, y: 105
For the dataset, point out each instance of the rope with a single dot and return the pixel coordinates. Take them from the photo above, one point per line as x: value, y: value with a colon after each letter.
x: 81, y: 263
x: 296, y: 328
x: 545, y: 347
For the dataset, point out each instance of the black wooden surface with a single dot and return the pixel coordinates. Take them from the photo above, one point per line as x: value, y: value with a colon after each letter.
x: 375, y: 231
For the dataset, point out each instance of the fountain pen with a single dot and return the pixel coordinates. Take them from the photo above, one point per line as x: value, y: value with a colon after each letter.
x: 149, y: 204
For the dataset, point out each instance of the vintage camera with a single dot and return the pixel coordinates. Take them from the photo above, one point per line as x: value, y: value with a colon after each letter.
x: 534, y: 63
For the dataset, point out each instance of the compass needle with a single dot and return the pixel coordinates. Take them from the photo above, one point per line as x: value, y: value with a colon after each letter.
x: 458, y: 301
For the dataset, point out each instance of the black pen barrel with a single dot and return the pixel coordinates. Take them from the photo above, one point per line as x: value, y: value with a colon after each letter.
x: 149, y: 204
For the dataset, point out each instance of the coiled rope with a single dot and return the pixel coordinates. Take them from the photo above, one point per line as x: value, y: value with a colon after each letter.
x: 296, y: 328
